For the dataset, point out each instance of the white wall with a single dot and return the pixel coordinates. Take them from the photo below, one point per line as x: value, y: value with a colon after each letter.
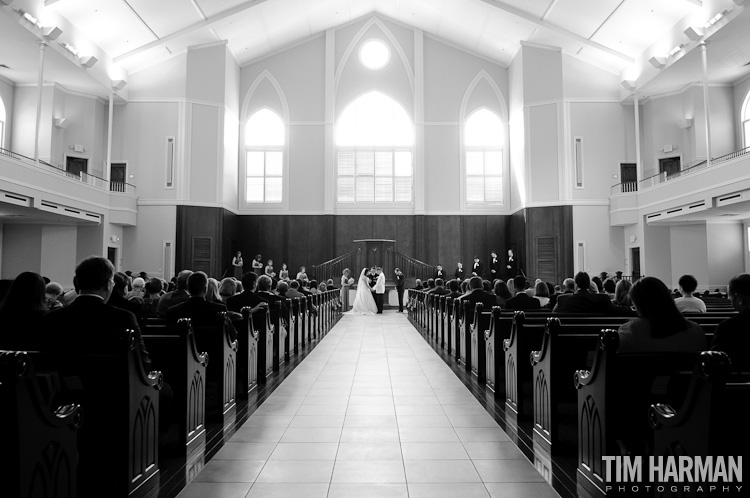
x: 739, y: 93
x: 6, y: 95
x: 726, y: 253
x: 58, y: 254
x: 605, y: 250
x: 166, y: 80
x: 143, y: 244
x: 22, y: 249
x: 689, y: 253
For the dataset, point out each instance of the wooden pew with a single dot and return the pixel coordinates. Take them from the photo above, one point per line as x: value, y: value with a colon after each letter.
x: 265, y: 345
x: 280, y: 344
x: 174, y: 352
x: 445, y: 308
x: 118, y: 441
x: 494, y: 352
x: 247, y: 354
x: 221, y: 373
x: 39, y: 454
x: 293, y: 338
x: 613, y: 401
x: 302, y: 321
x: 455, y: 322
x: 478, y: 332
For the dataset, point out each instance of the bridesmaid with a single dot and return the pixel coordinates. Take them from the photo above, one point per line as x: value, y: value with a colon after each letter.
x: 237, y: 263
x: 258, y: 265
x: 269, y: 270
x: 284, y: 273
x: 346, y: 282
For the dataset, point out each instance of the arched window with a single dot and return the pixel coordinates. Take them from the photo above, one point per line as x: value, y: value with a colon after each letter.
x: 483, y: 148
x: 264, y: 149
x: 2, y: 124
x: 746, y: 121
x: 375, y: 137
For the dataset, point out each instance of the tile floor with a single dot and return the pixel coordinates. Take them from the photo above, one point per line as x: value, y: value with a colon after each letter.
x: 372, y: 411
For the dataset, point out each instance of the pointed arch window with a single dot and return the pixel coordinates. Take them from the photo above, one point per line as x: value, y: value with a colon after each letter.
x: 746, y: 121
x: 2, y: 124
x: 264, y: 154
x: 375, y: 140
x: 483, y: 154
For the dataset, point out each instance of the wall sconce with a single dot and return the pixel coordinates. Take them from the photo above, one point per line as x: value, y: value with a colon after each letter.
x: 628, y: 85
x: 89, y: 61
x: 658, y: 62
x: 694, y: 33
x: 118, y: 84
x: 62, y: 123
x: 114, y: 238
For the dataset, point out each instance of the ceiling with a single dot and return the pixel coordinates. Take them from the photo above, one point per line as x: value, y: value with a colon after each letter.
x: 139, y: 33
x: 10, y: 213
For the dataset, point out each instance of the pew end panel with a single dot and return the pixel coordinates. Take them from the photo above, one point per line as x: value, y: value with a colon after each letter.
x: 247, y: 353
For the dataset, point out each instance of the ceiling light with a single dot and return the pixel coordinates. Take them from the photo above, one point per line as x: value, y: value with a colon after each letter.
x: 658, y: 62
x: 28, y: 17
x: 694, y: 34
x: 51, y: 33
x: 118, y: 84
x: 716, y: 18
x: 89, y: 61
x: 628, y: 85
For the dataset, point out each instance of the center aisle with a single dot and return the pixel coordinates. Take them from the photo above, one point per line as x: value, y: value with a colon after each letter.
x: 372, y: 411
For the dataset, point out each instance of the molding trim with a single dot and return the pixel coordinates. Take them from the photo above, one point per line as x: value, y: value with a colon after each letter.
x: 679, y: 91
x: 6, y: 80
x: 175, y: 203
x: 282, y: 50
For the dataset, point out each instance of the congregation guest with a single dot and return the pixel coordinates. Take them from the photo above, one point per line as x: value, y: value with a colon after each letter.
x: 177, y: 296
x: 459, y: 273
x: 464, y: 287
x: 247, y: 297
x: 52, y: 293
x: 585, y: 301
x: 237, y: 286
x: 264, y: 292
x: 212, y: 292
x: 477, y: 294
x: 118, y: 299
x: 439, y: 289
x: 294, y: 290
x: 521, y: 301
x: 282, y: 288
x: 495, y: 266
x: 21, y: 311
x: 329, y: 284
x: 284, y: 273
x: 440, y: 273
x: 541, y: 292
x: 418, y: 285
x: 487, y: 285
x: 258, y: 265
x: 455, y: 289
x: 599, y: 286
x: 476, y: 269
x: 151, y: 298
x: 200, y: 311
x: 618, y: 276
x: 659, y: 326
x: 609, y: 288
x: 511, y: 287
x: 732, y: 336
x: 322, y: 287
x: 688, y: 303
x: 71, y: 295
x: 301, y: 274
x: 227, y: 289
x: 89, y: 325
x: 314, y: 287
x: 622, y: 293
x: 502, y: 293
x: 139, y: 286
x: 430, y: 284
x: 269, y: 270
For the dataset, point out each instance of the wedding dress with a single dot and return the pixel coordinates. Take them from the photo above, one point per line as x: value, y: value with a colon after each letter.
x: 364, y: 302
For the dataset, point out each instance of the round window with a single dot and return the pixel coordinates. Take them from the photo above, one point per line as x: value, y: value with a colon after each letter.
x: 374, y: 54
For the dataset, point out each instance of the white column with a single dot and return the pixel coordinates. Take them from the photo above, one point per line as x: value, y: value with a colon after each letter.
x: 40, y: 88
x: 706, y: 107
x: 330, y: 111
x: 419, y: 172
x: 108, y: 166
x: 638, y: 165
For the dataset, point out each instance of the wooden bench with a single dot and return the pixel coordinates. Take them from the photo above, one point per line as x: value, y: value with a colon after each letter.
x: 280, y: 343
x: 614, y: 397
x: 292, y: 337
x: 480, y: 325
x: 445, y: 308
x: 174, y: 352
x: 265, y: 331
x: 39, y: 454
x: 247, y: 353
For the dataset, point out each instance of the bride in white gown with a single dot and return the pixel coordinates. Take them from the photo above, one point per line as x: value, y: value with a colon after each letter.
x: 364, y: 302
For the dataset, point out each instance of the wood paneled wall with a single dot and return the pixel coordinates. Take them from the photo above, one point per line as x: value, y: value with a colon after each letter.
x: 309, y: 240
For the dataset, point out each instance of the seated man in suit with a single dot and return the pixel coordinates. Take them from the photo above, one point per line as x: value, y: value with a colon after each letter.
x: 453, y: 288
x: 264, y: 292
x: 177, y: 296
x: 247, y: 297
x: 118, y: 300
x: 294, y: 290
x: 439, y: 289
x: 732, y: 336
x: 521, y: 301
x: 583, y: 301
x: 89, y: 324
x: 477, y: 294
x: 197, y: 308
x: 281, y: 288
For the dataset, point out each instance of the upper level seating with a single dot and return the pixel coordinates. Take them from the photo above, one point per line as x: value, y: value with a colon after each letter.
x: 39, y: 454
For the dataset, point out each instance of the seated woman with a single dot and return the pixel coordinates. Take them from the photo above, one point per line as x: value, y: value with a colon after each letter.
x: 153, y: 288
x: 502, y: 293
x: 284, y: 273
x: 269, y: 270
x: 688, y: 303
x: 212, y: 295
x: 227, y: 288
x: 541, y: 292
x: 659, y: 327
x: 20, y: 312
x: 301, y: 274
x: 622, y: 293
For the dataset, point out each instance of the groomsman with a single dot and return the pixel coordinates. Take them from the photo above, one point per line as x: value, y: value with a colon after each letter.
x: 400, y: 279
x: 440, y: 273
x: 511, y: 266
x: 494, y: 266
x: 476, y: 270
x: 459, y: 273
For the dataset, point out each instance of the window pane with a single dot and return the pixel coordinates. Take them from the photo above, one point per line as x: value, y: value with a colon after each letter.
x: 346, y: 162
x: 474, y: 162
x: 274, y: 165
x: 474, y: 189
x: 273, y: 189
x: 346, y: 189
x: 264, y: 128
x: 493, y: 189
x: 493, y: 162
x: 365, y: 162
x: 403, y: 163
x: 255, y: 162
x: 365, y: 189
x: 747, y: 133
x: 403, y: 189
x: 384, y: 189
x: 374, y: 119
x: 384, y: 163
x: 483, y: 129
x: 254, y: 190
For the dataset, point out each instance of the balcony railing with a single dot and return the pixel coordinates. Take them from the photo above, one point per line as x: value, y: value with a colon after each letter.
x: 86, y: 178
x: 663, y: 177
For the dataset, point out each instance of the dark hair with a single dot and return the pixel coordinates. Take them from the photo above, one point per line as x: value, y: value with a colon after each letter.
x: 688, y: 283
x: 501, y: 290
x: 294, y: 284
x: 453, y: 285
x: 740, y: 285
x: 154, y: 286
x: 519, y: 282
x: 598, y: 282
x: 439, y: 282
x: 182, y: 279
x: 487, y: 285
x: 282, y: 287
x: 475, y: 283
x: 609, y: 286
x: 94, y: 273
x: 197, y: 283
x: 26, y: 293
x: 313, y: 284
x: 248, y: 280
x: 431, y: 283
x: 654, y: 303
x: 582, y: 280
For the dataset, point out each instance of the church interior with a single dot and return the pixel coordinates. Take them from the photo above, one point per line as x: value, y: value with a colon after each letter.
x: 585, y: 136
